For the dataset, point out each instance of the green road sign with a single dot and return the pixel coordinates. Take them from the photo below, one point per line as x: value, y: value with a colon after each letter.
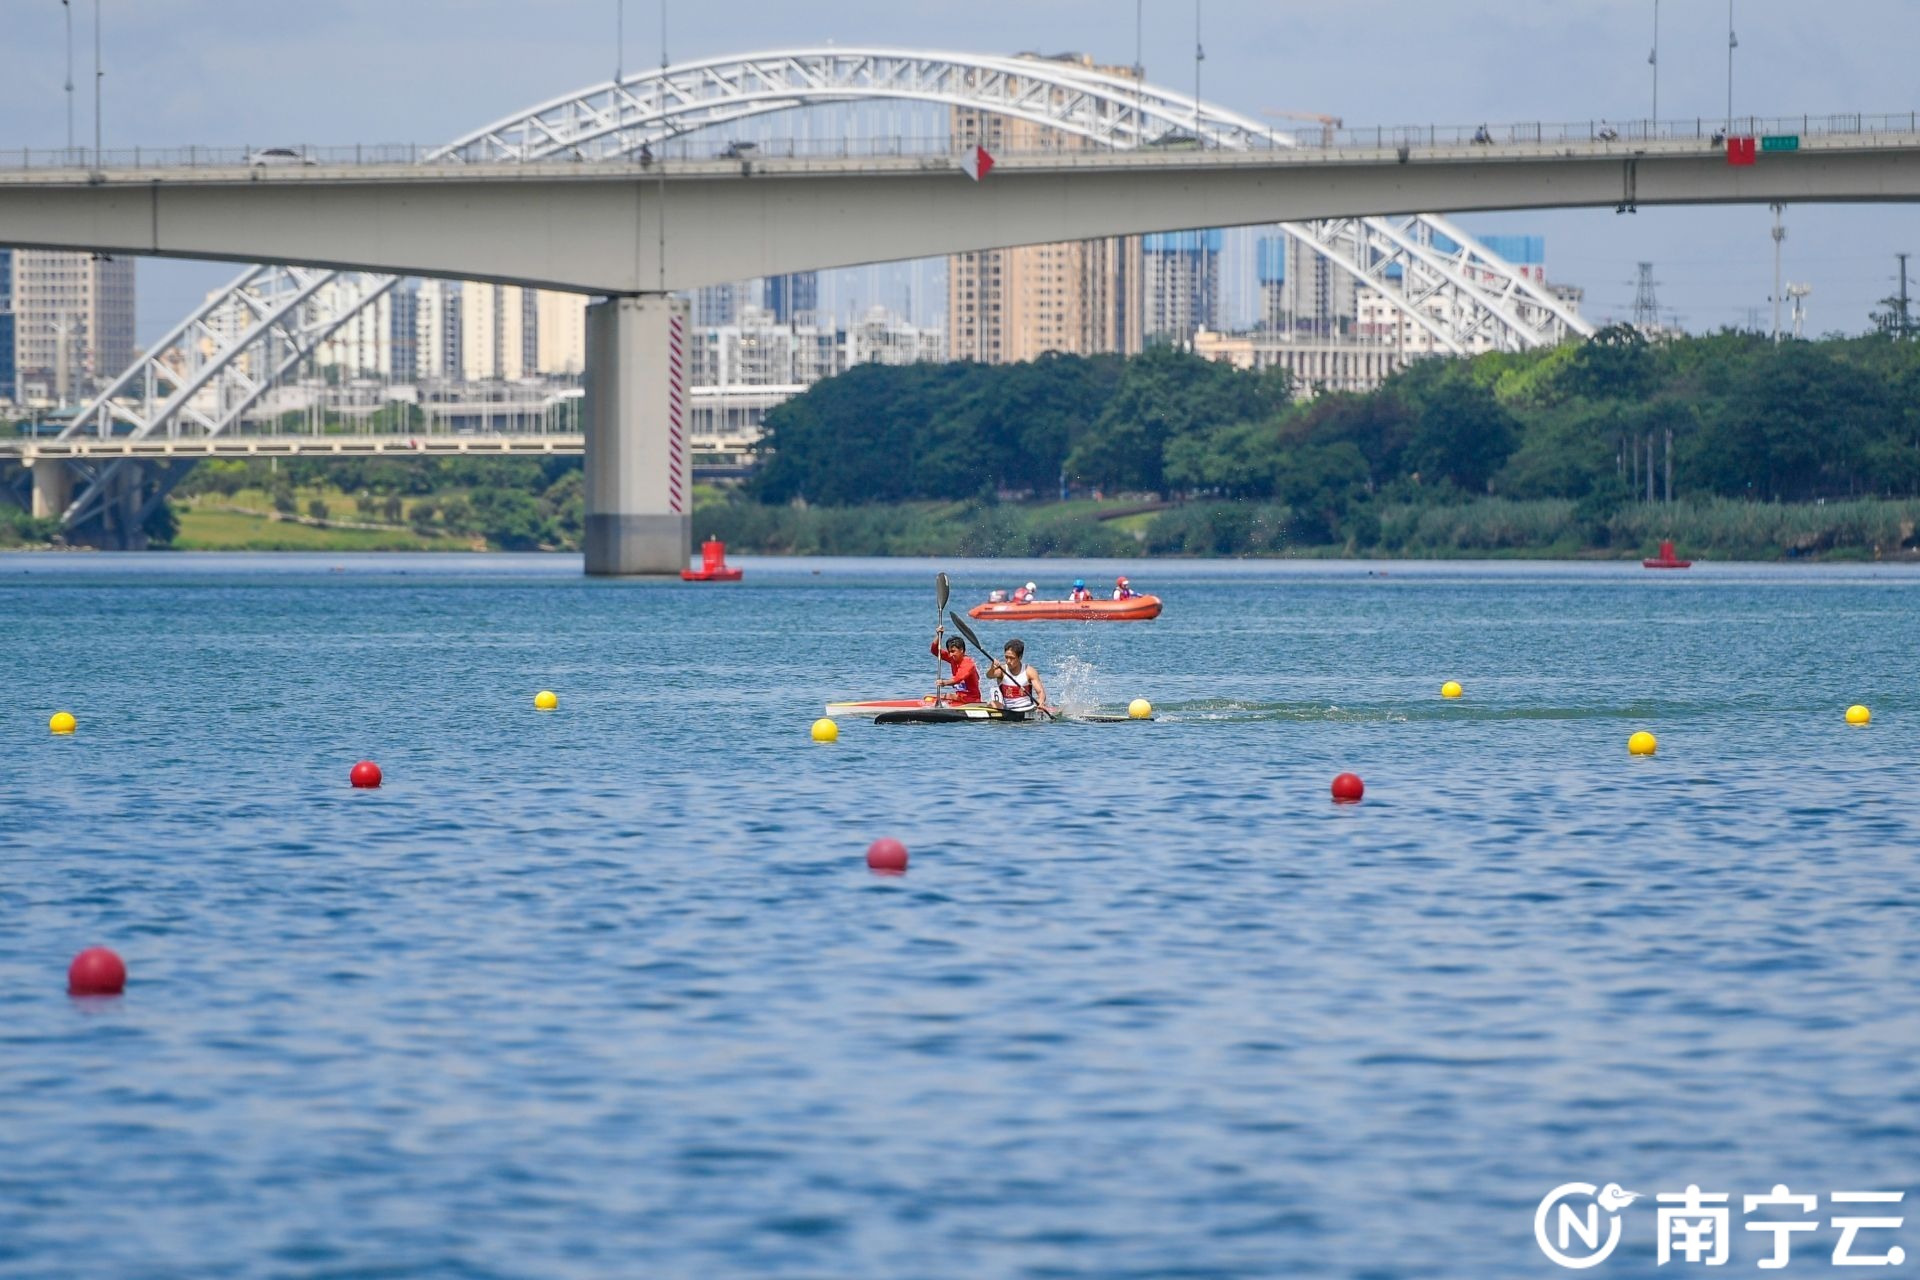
x: 1780, y: 142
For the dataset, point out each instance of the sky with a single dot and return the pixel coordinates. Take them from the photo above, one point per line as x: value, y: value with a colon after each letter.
x: 271, y: 72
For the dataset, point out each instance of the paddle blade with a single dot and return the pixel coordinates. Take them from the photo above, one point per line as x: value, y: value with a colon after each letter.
x: 967, y: 632
x: 940, y: 594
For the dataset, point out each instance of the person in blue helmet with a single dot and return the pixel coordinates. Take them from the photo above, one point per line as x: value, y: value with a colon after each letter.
x: 1080, y: 594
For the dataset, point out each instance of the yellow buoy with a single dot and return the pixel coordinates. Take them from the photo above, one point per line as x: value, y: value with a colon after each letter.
x: 546, y: 700
x: 1140, y: 709
x: 1643, y: 743
x: 1857, y: 714
x: 825, y: 730
x: 1451, y: 689
x: 62, y: 722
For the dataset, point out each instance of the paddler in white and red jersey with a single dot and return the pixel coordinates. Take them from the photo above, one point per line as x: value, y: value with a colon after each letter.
x: 966, y: 677
x: 1017, y: 688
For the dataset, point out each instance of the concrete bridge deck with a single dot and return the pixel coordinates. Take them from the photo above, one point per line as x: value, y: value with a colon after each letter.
x: 603, y: 227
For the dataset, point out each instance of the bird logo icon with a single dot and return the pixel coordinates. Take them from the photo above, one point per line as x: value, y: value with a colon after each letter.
x: 1613, y: 1198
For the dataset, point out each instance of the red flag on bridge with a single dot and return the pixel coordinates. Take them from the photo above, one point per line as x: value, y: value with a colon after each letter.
x: 1740, y: 150
x: 976, y: 163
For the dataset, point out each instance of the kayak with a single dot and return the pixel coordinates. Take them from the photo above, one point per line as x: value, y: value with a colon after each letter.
x: 877, y: 705
x: 1138, y: 609
x: 978, y: 713
x: 943, y: 715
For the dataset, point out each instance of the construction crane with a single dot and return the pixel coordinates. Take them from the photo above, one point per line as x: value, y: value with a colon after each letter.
x: 1328, y: 124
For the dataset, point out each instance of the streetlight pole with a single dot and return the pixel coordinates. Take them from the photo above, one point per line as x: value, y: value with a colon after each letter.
x: 1653, y: 60
x: 1779, y: 235
x: 1733, y: 42
x: 98, y: 76
x: 67, y: 5
x: 1199, y: 56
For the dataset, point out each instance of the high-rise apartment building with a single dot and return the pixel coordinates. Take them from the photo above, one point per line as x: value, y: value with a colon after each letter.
x: 713, y: 305
x: 7, y: 391
x: 436, y: 330
x: 73, y: 322
x: 403, y: 307
x: 1006, y: 305
x: 1182, y: 283
x: 561, y: 320
x: 361, y: 346
x: 789, y: 295
x: 499, y: 331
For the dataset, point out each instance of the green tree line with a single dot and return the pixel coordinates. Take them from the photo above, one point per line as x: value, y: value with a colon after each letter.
x: 1739, y: 416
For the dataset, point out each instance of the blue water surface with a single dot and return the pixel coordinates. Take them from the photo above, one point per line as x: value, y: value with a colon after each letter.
x: 610, y: 992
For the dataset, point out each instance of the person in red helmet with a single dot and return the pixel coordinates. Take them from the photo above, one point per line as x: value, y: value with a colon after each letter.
x: 1122, y: 589
x: 965, y: 682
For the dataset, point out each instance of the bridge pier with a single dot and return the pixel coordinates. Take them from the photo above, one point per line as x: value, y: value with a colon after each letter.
x: 52, y: 488
x: 639, y: 469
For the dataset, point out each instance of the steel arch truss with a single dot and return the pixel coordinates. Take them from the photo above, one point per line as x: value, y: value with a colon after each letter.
x: 617, y: 118
x: 217, y: 363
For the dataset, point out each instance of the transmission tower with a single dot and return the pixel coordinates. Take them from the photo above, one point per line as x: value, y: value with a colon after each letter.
x: 1903, y: 320
x: 1646, y: 307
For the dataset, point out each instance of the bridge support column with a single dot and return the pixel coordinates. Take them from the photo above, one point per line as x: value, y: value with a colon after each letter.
x: 639, y: 471
x: 52, y: 488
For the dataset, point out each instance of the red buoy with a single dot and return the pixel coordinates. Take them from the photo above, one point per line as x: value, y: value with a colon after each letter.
x: 887, y: 856
x: 365, y: 774
x: 96, y: 972
x: 1666, y: 559
x: 1347, y: 789
x: 713, y: 565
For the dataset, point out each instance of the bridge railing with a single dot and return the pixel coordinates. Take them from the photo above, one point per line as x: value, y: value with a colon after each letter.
x: 714, y: 145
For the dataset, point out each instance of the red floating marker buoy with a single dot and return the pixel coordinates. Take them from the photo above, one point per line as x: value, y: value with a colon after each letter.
x: 96, y: 972
x: 1666, y: 559
x: 887, y: 856
x: 1347, y: 789
x: 365, y: 774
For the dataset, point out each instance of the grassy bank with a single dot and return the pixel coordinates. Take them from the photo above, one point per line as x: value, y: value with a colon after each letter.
x: 204, y: 527
x: 1546, y: 528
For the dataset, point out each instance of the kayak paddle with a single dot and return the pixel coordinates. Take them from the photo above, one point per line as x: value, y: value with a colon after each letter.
x: 939, y: 607
x: 974, y: 640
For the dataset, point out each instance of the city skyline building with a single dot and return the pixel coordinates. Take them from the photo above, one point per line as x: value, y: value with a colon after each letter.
x: 1181, y: 284
x: 73, y: 318
x: 787, y: 296
x: 499, y: 331
x: 1009, y: 305
x: 437, y: 346
x: 7, y: 391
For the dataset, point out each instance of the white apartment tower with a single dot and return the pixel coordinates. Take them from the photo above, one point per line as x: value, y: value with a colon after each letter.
x: 73, y: 322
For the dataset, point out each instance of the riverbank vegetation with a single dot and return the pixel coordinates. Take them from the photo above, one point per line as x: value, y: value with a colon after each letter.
x: 1729, y: 444
x: 1764, y: 450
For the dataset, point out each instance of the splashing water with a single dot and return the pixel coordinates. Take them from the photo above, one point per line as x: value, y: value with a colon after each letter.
x: 1074, y: 685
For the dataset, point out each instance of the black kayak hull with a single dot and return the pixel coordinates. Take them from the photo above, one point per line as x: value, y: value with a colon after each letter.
x: 980, y: 714
x: 943, y: 715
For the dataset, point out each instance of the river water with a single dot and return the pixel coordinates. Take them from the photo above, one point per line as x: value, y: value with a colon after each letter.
x: 610, y: 992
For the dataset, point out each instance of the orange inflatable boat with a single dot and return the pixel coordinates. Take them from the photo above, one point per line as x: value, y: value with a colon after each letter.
x: 1138, y: 609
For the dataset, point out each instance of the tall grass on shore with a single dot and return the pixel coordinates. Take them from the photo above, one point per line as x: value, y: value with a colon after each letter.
x: 1718, y: 528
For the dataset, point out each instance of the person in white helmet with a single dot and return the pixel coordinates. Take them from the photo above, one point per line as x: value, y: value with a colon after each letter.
x: 1122, y: 589
x: 1025, y: 595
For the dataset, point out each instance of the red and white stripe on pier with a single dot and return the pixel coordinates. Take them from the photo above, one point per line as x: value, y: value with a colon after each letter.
x: 676, y: 410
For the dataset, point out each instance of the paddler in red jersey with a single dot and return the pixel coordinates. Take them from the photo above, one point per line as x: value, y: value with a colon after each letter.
x: 966, y: 677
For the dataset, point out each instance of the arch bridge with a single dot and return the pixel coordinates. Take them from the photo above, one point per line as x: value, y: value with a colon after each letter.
x: 216, y: 363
